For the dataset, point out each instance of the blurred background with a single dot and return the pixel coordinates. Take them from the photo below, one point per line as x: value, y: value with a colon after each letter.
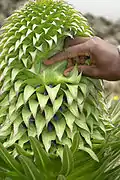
x: 103, y: 16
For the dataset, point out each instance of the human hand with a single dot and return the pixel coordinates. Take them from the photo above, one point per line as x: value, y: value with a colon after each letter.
x: 105, y: 58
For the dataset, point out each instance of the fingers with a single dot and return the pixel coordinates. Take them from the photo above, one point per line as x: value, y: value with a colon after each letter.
x: 86, y: 70
x: 72, y: 42
x: 71, y: 52
x: 70, y: 63
x: 68, y: 70
x: 90, y: 71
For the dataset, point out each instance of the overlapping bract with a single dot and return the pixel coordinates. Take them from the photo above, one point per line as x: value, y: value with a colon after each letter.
x: 37, y: 100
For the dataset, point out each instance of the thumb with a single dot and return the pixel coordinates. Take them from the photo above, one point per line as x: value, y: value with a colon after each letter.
x: 86, y: 70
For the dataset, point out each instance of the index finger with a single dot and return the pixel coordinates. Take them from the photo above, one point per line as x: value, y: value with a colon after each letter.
x: 77, y: 40
x: 71, y: 52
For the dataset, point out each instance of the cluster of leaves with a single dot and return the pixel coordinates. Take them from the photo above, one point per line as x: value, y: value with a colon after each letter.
x: 29, y: 36
x: 75, y: 165
x: 32, y: 95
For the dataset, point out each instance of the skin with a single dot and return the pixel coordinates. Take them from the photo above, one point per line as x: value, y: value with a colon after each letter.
x: 105, y: 58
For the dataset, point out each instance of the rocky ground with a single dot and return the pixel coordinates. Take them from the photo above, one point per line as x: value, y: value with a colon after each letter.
x: 104, y: 28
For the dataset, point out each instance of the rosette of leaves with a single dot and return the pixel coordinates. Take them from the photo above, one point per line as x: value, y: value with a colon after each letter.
x: 76, y: 164
x: 37, y: 100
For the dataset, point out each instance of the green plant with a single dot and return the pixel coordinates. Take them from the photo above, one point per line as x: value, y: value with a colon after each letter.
x: 76, y: 165
x: 46, y: 119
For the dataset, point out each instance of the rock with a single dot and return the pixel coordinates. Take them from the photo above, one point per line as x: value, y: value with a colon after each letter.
x: 111, y: 40
x: 117, y: 37
x: 90, y: 18
x: 101, y: 28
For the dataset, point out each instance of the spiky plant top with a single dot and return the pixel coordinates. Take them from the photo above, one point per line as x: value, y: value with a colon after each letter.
x: 37, y: 100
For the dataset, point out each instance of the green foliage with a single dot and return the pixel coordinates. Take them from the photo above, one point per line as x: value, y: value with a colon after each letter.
x: 77, y: 165
x: 51, y: 126
x: 37, y: 100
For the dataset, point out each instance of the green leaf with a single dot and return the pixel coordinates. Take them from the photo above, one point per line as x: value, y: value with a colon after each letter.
x: 14, y: 73
x: 61, y: 177
x: 90, y: 122
x: 48, y: 114
x: 32, y: 130
x: 22, y: 28
x: 52, y: 92
x: 3, y: 112
x: 25, y: 62
x: 14, y: 138
x: 73, y: 90
x: 50, y: 43
x: 37, y: 36
x: 4, y: 73
x: 54, y: 38
x: 70, y: 119
x: 16, y: 125
x: 33, y: 104
x: 75, y: 143
x: 66, y: 141
x: 23, y: 140
x: 5, y: 133
x: 67, y: 164
x: 34, y: 41
x: 88, y: 108
x: 5, y: 101
x: 57, y: 103
x: 40, y: 48
x: 90, y: 152
x: 74, y: 109
x: 70, y: 133
x: 42, y: 160
x: 60, y: 152
x: 83, y: 88
x: 26, y: 114
x: 47, y: 137
x: 12, y: 108
x: 30, y: 169
x: 11, y: 49
x: 33, y: 55
x: 17, y: 85
x: 59, y: 127
x: 12, y: 94
x: 86, y: 136
x: 11, y: 60
x: 97, y: 135
x: 28, y: 32
x: 80, y: 98
x: 40, y: 124
x: 21, y: 151
x: 17, y: 44
x: 20, y: 101
x: 102, y: 126
x: 28, y: 91
x: 81, y: 123
x: 69, y: 97
x: 9, y: 160
x: 7, y: 123
x: 74, y: 78
x: 3, y: 63
x: 42, y: 100
x: 20, y: 53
